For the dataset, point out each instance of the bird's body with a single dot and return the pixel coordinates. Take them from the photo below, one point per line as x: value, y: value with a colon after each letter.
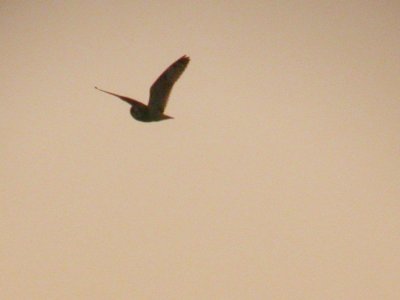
x: 159, y: 94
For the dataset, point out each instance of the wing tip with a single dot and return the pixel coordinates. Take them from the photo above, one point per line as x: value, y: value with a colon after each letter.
x: 185, y: 58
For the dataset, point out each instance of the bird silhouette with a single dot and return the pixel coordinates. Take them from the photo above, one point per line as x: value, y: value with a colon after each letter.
x: 159, y: 94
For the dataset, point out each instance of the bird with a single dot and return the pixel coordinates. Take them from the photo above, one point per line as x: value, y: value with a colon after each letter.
x: 159, y: 94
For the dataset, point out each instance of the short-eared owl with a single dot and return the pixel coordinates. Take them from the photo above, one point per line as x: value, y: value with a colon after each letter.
x: 159, y: 94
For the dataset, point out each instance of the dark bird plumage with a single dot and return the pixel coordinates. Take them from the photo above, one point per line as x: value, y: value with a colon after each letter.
x: 159, y: 94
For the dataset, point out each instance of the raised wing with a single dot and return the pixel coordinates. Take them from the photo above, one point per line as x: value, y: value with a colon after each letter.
x: 126, y: 99
x: 161, y: 88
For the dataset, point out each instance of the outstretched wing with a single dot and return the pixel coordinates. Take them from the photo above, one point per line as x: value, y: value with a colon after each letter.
x: 126, y: 99
x: 161, y: 88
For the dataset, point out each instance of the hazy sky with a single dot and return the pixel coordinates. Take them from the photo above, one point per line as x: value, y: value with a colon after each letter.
x: 279, y: 177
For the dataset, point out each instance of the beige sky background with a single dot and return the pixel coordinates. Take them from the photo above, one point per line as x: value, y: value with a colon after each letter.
x: 279, y: 177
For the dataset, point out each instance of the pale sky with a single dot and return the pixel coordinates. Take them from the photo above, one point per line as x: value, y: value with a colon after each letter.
x: 279, y: 177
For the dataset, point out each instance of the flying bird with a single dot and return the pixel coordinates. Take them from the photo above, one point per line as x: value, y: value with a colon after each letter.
x: 159, y: 94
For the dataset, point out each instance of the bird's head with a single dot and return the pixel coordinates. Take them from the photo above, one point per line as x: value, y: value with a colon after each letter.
x: 139, y: 113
